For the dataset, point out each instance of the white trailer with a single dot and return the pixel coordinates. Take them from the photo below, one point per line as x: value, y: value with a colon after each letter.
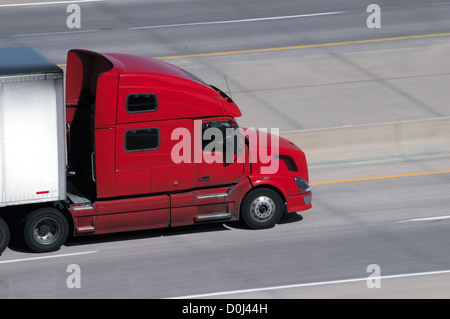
x: 32, y: 131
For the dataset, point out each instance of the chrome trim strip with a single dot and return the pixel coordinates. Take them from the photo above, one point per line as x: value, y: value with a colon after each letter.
x: 214, y: 216
x: 86, y: 228
x: 82, y: 207
x: 211, y: 195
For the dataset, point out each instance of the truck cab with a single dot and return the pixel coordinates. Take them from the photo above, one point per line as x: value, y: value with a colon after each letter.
x: 150, y: 145
x: 122, y: 112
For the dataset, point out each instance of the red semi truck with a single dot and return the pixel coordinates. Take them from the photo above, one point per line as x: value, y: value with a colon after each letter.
x: 128, y: 150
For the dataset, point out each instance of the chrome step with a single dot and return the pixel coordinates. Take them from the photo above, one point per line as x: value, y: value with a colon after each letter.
x: 213, y: 216
x: 212, y: 195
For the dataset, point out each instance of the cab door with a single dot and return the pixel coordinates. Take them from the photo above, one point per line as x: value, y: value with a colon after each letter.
x: 144, y: 159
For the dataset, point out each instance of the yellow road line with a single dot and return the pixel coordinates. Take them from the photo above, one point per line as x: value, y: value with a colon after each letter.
x: 378, y: 177
x: 307, y: 46
x: 299, y: 46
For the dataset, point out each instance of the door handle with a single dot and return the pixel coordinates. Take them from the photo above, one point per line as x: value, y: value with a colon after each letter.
x: 204, y: 178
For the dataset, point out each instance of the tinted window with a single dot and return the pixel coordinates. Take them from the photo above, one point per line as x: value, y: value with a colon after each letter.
x: 142, y: 140
x: 229, y: 136
x: 137, y: 103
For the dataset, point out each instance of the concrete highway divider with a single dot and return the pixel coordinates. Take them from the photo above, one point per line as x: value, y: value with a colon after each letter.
x: 373, y: 142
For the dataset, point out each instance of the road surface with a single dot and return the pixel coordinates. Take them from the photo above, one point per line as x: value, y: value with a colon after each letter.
x: 290, y: 65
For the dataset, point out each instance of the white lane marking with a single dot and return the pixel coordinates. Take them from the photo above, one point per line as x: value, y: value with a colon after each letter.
x: 185, y: 24
x: 55, y: 33
x: 236, y: 21
x: 425, y: 219
x: 46, y: 3
x: 322, y: 283
x: 46, y: 257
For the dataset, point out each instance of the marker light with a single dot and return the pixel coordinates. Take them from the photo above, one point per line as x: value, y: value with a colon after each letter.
x: 302, y: 185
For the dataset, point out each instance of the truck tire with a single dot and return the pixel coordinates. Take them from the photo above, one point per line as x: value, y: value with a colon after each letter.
x: 261, y: 208
x: 4, y: 235
x: 45, y: 230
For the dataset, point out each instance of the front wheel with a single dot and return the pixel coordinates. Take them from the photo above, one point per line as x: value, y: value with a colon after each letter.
x: 45, y: 230
x: 261, y: 208
x: 4, y: 235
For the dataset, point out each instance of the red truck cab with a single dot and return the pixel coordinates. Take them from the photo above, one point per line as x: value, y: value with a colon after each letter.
x: 137, y: 157
x: 122, y: 112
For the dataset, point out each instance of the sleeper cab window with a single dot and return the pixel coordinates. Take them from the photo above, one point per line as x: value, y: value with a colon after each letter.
x: 142, y: 102
x: 138, y: 140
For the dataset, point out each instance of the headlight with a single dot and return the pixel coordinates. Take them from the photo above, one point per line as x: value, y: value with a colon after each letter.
x: 302, y: 185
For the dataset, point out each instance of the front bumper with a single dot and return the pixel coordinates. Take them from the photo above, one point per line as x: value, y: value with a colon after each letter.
x: 298, y: 203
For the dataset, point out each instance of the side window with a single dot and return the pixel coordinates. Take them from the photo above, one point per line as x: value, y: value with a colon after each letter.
x: 223, y: 136
x: 210, y: 141
x: 138, y: 140
x: 138, y: 103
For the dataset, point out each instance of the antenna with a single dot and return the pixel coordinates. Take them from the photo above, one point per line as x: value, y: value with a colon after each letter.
x: 188, y: 54
x: 229, y: 92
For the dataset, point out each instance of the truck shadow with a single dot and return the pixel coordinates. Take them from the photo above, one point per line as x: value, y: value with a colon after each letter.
x: 19, y: 246
x: 144, y: 234
x: 170, y: 231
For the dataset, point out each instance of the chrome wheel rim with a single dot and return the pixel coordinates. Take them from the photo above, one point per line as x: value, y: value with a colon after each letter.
x: 262, y: 208
x: 46, y: 231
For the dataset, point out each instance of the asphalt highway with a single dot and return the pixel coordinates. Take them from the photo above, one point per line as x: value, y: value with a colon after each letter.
x: 299, y: 64
x: 291, y: 65
x: 398, y: 223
